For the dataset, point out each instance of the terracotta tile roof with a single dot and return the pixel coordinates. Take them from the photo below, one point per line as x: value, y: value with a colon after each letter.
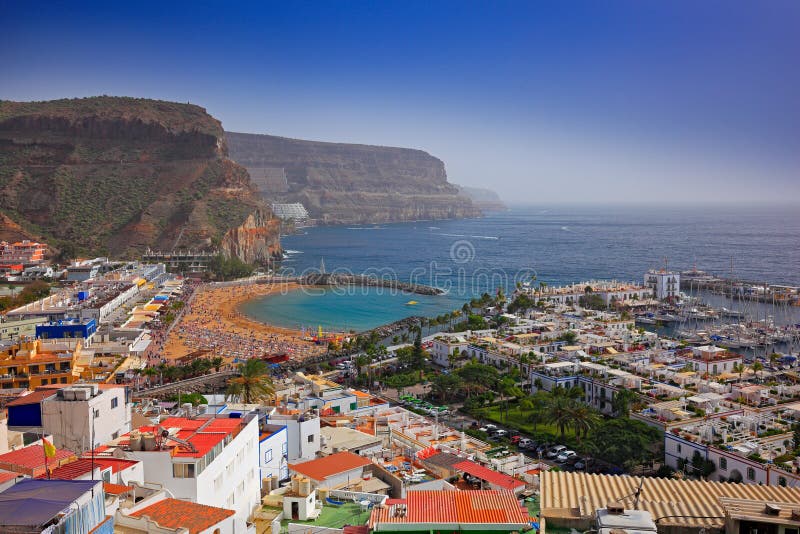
x: 34, y: 397
x: 32, y: 457
x: 492, y: 477
x: 116, y: 464
x: 174, y: 513
x: 453, y: 507
x: 322, y: 468
x: 116, y: 489
x: 204, y: 439
x: 71, y: 470
x: 568, y: 495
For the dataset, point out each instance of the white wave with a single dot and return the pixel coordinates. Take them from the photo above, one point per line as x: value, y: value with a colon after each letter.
x: 288, y: 251
x: 452, y: 235
x: 434, y: 228
x: 484, y: 237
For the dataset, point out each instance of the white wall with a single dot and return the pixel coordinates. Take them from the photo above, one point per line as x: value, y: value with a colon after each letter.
x: 298, y: 436
x: 71, y: 422
x: 273, y: 455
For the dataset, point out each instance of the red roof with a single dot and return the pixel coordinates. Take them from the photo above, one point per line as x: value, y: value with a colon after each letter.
x: 174, y: 513
x: 32, y: 457
x: 492, y: 477
x: 5, y: 476
x: 116, y: 464
x: 325, y: 467
x: 204, y: 439
x: 70, y: 471
x: 454, y: 507
x: 34, y: 397
x: 116, y: 489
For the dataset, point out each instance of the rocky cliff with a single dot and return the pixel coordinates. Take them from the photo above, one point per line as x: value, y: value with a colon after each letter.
x: 485, y: 199
x: 347, y: 183
x: 118, y: 175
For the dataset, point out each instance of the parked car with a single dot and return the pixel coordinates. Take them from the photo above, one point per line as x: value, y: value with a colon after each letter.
x: 523, y: 443
x: 498, y: 434
x: 541, y: 450
x: 564, y: 456
x: 555, y: 451
x: 516, y: 439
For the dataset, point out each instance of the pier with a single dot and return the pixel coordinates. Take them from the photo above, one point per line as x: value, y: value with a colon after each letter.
x: 327, y: 279
x: 744, y: 289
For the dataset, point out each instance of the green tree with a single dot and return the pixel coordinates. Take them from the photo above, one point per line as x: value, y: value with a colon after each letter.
x: 739, y: 368
x: 253, y: 383
x: 583, y: 419
x: 625, y: 442
x: 569, y: 336
x: 621, y: 402
x: 559, y: 412
x: 445, y: 386
x: 756, y: 367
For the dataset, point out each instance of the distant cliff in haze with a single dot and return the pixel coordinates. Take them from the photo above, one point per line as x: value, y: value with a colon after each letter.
x: 349, y: 183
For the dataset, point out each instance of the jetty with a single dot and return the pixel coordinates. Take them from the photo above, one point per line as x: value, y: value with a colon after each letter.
x: 744, y: 289
x: 342, y: 280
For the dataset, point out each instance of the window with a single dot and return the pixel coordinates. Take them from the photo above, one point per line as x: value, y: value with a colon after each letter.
x: 96, y: 413
x: 311, y: 438
x: 284, y: 448
x: 679, y: 447
x: 114, y: 435
x: 267, y: 456
x: 723, y: 464
x: 782, y: 481
x: 751, y: 473
x: 114, y: 402
x: 183, y: 470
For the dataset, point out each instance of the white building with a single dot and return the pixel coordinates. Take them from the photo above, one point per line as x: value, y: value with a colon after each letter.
x: 443, y: 348
x: 82, y: 416
x: 302, y: 433
x: 335, y: 471
x: 273, y: 452
x: 664, y: 284
x: 206, y: 460
x: 710, y: 360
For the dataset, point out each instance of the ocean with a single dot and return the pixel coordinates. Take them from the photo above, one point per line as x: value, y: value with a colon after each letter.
x: 557, y: 245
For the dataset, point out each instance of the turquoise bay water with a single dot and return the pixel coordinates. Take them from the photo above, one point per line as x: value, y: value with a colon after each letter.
x: 345, y: 309
x: 557, y: 244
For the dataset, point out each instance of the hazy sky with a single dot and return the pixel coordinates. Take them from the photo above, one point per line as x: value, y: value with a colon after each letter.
x: 638, y: 101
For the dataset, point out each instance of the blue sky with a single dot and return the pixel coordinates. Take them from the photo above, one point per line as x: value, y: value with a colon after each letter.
x: 679, y: 101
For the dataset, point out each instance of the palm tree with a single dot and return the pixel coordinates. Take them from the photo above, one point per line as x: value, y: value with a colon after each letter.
x: 253, y: 383
x: 150, y: 372
x: 621, y: 402
x: 583, y: 419
x: 756, y: 367
x: 534, y: 405
x: 559, y: 412
x: 216, y: 362
x: 739, y: 368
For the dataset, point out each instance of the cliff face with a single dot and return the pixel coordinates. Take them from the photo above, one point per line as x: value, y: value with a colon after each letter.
x: 256, y: 240
x: 346, y: 183
x: 117, y: 175
x: 485, y: 199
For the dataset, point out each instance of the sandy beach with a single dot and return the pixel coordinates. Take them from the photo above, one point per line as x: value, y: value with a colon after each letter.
x: 213, y: 322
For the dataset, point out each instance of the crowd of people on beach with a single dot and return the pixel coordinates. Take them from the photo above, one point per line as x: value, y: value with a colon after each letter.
x: 159, y: 331
x: 211, y: 322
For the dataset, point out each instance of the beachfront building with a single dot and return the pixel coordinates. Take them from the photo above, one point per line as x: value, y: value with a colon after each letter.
x: 293, y: 211
x: 663, y: 284
x: 82, y: 329
x: 205, y: 459
x: 610, y: 291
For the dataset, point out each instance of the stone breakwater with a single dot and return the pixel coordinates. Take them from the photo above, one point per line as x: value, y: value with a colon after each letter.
x: 323, y: 279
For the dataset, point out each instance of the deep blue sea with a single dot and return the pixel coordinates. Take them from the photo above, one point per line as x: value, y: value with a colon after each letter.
x: 556, y: 244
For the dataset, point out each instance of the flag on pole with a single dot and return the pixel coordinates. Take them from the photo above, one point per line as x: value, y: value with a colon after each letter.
x: 49, y: 449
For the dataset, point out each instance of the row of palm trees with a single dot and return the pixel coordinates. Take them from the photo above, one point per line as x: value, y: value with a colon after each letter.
x: 164, y: 373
